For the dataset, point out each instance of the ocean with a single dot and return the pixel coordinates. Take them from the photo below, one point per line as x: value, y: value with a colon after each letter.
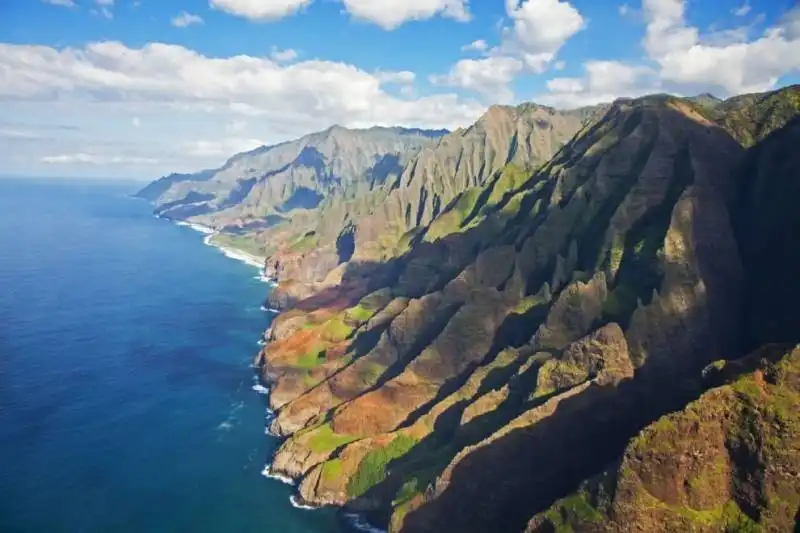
x: 126, y: 392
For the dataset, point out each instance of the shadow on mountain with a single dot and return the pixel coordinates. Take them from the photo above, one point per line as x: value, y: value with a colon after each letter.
x: 301, y: 198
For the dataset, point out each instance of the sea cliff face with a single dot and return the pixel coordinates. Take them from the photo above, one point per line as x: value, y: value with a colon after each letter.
x: 494, y: 364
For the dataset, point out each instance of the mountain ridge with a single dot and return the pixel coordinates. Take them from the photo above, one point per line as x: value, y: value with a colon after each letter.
x: 560, y: 294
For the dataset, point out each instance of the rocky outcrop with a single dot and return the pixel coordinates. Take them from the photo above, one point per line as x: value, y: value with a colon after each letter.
x: 495, y: 330
x: 727, y: 462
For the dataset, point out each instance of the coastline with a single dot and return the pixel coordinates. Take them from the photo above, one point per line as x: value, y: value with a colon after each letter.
x: 230, y: 252
x: 356, y: 521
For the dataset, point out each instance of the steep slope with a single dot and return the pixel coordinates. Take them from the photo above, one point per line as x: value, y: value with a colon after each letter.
x: 381, y: 224
x: 258, y: 188
x: 153, y: 191
x: 768, y: 229
x: 751, y: 117
x: 727, y: 462
x: 548, y: 310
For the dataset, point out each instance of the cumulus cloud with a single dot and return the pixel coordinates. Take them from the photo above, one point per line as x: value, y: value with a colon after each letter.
x: 96, y: 159
x: 110, y: 71
x: 184, y: 20
x: 540, y: 29
x: 220, y: 148
x: 475, y: 46
x: 489, y: 76
x: 283, y: 56
x: 389, y: 14
x: 401, y: 77
x: 684, y: 61
x: 790, y: 23
x: 260, y: 9
x: 733, y: 65
x: 603, y: 81
x: 175, y: 90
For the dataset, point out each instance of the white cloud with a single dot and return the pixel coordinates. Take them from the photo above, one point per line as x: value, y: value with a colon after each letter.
x: 733, y: 64
x: 63, y: 3
x: 475, y: 46
x: 389, y: 14
x: 102, y: 12
x: 136, y: 122
x: 402, y: 77
x: 683, y: 61
x: 15, y: 134
x: 96, y: 159
x: 559, y: 65
x: 176, y: 92
x: 742, y: 10
x: 220, y: 148
x: 260, y: 9
x: 283, y: 56
x: 184, y: 20
x: 236, y: 126
x: 489, y: 76
x: 603, y: 81
x: 624, y: 10
x: 540, y: 29
x: 790, y: 23
x: 104, y: 2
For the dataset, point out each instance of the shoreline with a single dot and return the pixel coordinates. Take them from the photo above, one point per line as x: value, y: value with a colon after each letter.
x: 236, y: 254
x: 356, y: 521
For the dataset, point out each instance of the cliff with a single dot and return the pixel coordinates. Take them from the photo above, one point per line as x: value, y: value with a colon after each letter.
x: 729, y: 461
x: 494, y: 339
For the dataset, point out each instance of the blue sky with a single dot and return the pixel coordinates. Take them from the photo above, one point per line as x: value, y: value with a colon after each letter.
x: 138, y: 88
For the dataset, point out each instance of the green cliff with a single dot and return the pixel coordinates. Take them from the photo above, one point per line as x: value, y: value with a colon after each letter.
x: 493, y: 339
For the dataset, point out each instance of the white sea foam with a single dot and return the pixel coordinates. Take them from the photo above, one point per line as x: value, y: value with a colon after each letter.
x: 196, y: 227
x: 242, y: 256
x: 261, y: 389
x: 295, y: 501
x: 238, y: 255
x: 360, y: 523
x: 266, y: 279
x: 267, y: 472
x: 262, y: 342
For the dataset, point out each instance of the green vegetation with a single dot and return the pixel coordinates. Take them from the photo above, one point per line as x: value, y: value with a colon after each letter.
x: 409, y: 489
x: 336, y: 330
x: 246, y: 243
x: 514, y: 204
x: 369, y: 372
x: 360, y: 313
x: 556, y: 374
x: 452, y: 220
x: 369, y: 305
x: 325, y: 440
x: 750, y: 118
x: 542, y: 297
x: 331, y: 470
x: 306, y: 243
x: 572, y: 511
x: 312, y: 359
x: 511, y: 178
x: 372, y: 468
x: 404, y: 243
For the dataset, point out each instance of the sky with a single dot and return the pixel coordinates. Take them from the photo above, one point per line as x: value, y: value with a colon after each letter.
x: 142, y: 88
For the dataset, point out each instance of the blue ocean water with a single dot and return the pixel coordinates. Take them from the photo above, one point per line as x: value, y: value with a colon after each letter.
x: 126, y: 401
